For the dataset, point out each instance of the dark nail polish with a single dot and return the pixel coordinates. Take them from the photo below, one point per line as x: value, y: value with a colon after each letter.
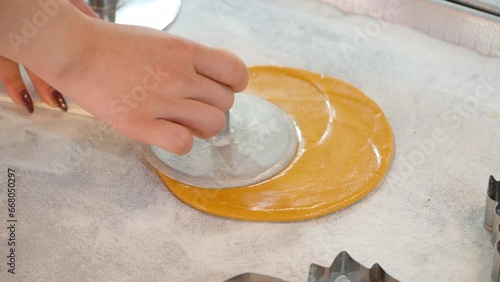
x: 25, y: 96
x: 58, y: 98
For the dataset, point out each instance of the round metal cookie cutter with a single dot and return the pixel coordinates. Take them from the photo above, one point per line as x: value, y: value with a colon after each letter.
x: 258, y: 141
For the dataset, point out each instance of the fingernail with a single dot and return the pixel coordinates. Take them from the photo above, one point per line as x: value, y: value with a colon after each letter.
x: 58, y: 98
x: 25, y: 96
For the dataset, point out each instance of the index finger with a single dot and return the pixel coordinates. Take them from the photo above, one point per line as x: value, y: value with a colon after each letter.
x: 222, y: 66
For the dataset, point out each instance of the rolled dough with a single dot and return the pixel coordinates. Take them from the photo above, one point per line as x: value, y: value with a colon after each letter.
x: 345, y: 148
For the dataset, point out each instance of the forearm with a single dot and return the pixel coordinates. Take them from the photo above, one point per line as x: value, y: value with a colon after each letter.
x: 44, y: 35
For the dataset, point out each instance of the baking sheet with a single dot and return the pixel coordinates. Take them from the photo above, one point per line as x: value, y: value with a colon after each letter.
x: 90, y: 208
x: 457, y: 24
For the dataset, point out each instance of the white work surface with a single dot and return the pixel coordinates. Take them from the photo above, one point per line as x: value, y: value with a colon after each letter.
x: 90, y: 208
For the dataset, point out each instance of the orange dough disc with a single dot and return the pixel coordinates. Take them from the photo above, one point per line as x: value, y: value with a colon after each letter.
x: 345, y: 148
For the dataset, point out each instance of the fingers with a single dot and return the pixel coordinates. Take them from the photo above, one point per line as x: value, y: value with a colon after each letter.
x: 13, y: 83
x: 203, y: 120
x: 212, y: 93
x: 171, y: 124
x: 49, y: 95
x: 222, y: 66
x: 16, y: 89
x: 170, y: 136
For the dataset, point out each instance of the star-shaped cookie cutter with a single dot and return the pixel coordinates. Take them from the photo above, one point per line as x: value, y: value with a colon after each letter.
x: 343, y: 269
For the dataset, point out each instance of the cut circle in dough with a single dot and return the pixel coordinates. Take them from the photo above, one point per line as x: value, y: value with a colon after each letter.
x: 345, y: 148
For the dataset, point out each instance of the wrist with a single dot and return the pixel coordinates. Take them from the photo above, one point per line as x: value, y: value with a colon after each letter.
x: 49, y: 38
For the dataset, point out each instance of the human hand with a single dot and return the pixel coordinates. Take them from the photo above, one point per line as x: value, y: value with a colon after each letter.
x: 150, y: 86
x: 10, y: 76
x: 153, y: 87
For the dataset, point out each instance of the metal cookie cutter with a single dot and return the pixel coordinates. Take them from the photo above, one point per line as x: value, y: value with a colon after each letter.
x: 492, y: 223
x: 344, y: 268
x: 254, y: 277
x: 491, y: 203
x: 495, y: 232
x: 495, y: 273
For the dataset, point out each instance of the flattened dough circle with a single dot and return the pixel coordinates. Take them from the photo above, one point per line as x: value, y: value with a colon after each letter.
x: 345, y: 150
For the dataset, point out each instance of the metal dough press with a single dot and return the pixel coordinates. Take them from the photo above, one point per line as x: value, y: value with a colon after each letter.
x: 257, y: 142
